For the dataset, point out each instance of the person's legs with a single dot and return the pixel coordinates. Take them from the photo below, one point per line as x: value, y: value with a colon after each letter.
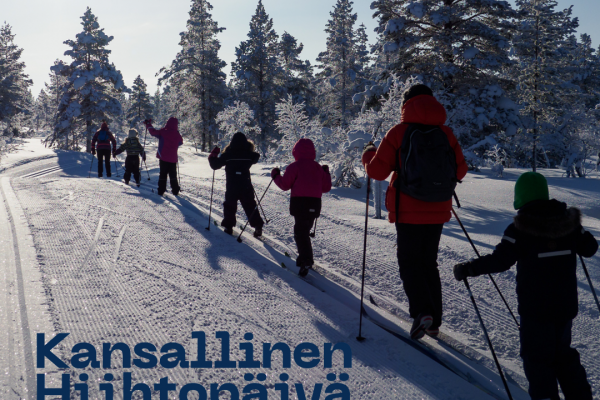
x: 417, y: 258
x: 173, y: 178
x: 135, y: 169
x: 128, y: 168
x: 569, y: 371
x: 538, y: 351
x: 249, y: 205
x: 107, y: 162
x: 229, y: 209
x: 162, y: 177
x: 302, y: 228
x: 100, y: 155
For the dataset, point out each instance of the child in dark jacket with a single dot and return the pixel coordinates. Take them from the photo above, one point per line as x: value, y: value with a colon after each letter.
x: 308, y: 181
x: 169, y: 141
x: 104, y: 138
x: 134, y: 149
x: 544, y: 240
x: 237, y: 157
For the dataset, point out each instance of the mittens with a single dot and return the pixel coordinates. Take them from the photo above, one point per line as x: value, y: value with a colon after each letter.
x: 275, y: 172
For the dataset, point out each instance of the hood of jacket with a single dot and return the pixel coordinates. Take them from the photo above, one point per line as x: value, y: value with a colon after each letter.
x: 423, y: 109
x: 104, y: 126
x: 172, y: 124
x: 304, y: 149
x: 548, y: 219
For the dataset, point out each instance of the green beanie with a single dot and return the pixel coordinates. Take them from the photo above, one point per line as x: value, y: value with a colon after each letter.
x: 530, y: 186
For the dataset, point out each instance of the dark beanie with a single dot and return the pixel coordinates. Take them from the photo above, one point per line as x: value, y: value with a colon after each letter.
x: 104, y: 126
x: 415, y: 91
x: 238, y: 138
x: 529, y: 187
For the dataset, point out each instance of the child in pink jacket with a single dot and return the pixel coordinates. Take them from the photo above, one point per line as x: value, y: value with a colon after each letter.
x: 308, y: 181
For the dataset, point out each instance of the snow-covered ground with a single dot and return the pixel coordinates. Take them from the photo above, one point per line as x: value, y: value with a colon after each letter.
x: 112, y: 263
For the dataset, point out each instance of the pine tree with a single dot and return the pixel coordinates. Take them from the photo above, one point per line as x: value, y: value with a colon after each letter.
x: 91, y: 93
x: 542, y: 46
x: 297, y: 74
x: 341, y: 65
x: 14, y: 83
x: 257, y: 71
x: 140, y: 107
x: 203, y: 79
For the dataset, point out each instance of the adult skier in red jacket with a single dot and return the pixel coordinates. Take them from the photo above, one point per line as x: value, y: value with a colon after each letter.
x: 418, y: 223
x: 169, y: 141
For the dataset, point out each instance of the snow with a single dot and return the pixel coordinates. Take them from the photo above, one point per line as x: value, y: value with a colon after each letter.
x: 117, y: 263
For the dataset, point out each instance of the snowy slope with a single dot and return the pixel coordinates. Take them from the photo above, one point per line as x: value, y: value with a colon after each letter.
x: 120, y: 264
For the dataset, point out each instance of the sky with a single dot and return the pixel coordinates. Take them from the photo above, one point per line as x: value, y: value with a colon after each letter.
x: 146, y: 32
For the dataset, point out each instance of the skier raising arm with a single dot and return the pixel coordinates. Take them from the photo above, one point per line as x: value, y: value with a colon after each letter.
x: 169, y: 141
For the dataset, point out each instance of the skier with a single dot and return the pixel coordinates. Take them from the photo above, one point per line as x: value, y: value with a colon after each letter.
x: 544, y: 240
x: 419, y: 222
x: 134, y: 149
x: 578, y: 164
x: 237, y: 157
x: 104, y: 138
x: 308, y: 181
x: 169, y: 141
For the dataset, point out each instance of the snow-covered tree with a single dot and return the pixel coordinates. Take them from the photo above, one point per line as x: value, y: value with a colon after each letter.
x: 201, y: 73
x: 257, y: 71
x: 238, y: 117
x: 541, y: 46
x: 14, y: 82
x: 457, y: 47
x: 93, y: 83
x: 139, y: 107
x: 342, y: 66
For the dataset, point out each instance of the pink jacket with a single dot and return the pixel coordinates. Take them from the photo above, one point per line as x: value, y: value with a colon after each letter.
x: 305, y: 176
x: 169, y: 140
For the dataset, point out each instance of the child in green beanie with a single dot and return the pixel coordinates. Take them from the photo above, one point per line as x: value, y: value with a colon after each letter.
x: 544, y: 241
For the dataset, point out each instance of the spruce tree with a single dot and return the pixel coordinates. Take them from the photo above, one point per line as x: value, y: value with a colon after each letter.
x: 14, y: 82
x: 297, y: 74
x: 341, y: 64
x: 140, y: 107
x: 257, y: 72
x: 93, y: 83
x: 200, y: 71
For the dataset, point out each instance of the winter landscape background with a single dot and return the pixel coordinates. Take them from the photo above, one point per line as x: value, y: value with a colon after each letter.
x: 109, y: 262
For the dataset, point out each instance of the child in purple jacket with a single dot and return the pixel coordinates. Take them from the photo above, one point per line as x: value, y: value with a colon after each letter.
x: 169, y: 141
x: 308, y: 181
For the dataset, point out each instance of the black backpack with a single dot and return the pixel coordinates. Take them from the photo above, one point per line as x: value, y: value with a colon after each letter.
x: 425, y: 164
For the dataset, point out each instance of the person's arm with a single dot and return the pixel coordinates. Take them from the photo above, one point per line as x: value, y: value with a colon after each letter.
x: 505, y: 255
x: 286, y: 181
x: 379, y: 165
x: 217, y: 162
x: 94, y: 140
x: 255, y: 157
x: 113, y: 141
x: 120, y: 149
x: 587, y: 245
x: 461, y: 163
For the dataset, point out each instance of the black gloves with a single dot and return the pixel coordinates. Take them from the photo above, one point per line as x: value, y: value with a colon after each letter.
x: 275, y: 172
x: 325, y: 168
x: 463, y: 270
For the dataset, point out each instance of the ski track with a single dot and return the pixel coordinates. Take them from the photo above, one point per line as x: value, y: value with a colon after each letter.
x: 178, y: 281
x: 92, y: 300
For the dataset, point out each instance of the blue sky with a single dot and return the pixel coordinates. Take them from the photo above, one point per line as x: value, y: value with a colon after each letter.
x: 147, y: 31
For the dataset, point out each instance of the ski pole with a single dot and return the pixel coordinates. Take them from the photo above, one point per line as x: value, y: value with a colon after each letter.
x: 260, y: 205
x: 590, y: 282
x: 489, y: 275
x: 314, y: 232
x: 211, y: 197
x: 362, y: 285
x: 487, y: 337
x: 239, y: 239
x: 91, y: 165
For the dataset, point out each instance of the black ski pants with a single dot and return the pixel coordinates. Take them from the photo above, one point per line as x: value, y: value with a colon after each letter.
x: 548, y: 357
x: 103, y: 156
x: 302, y: 228
x: 245, y: 195
x: 417, y: 258
x: 132, y: 166
x: 167, y: 169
